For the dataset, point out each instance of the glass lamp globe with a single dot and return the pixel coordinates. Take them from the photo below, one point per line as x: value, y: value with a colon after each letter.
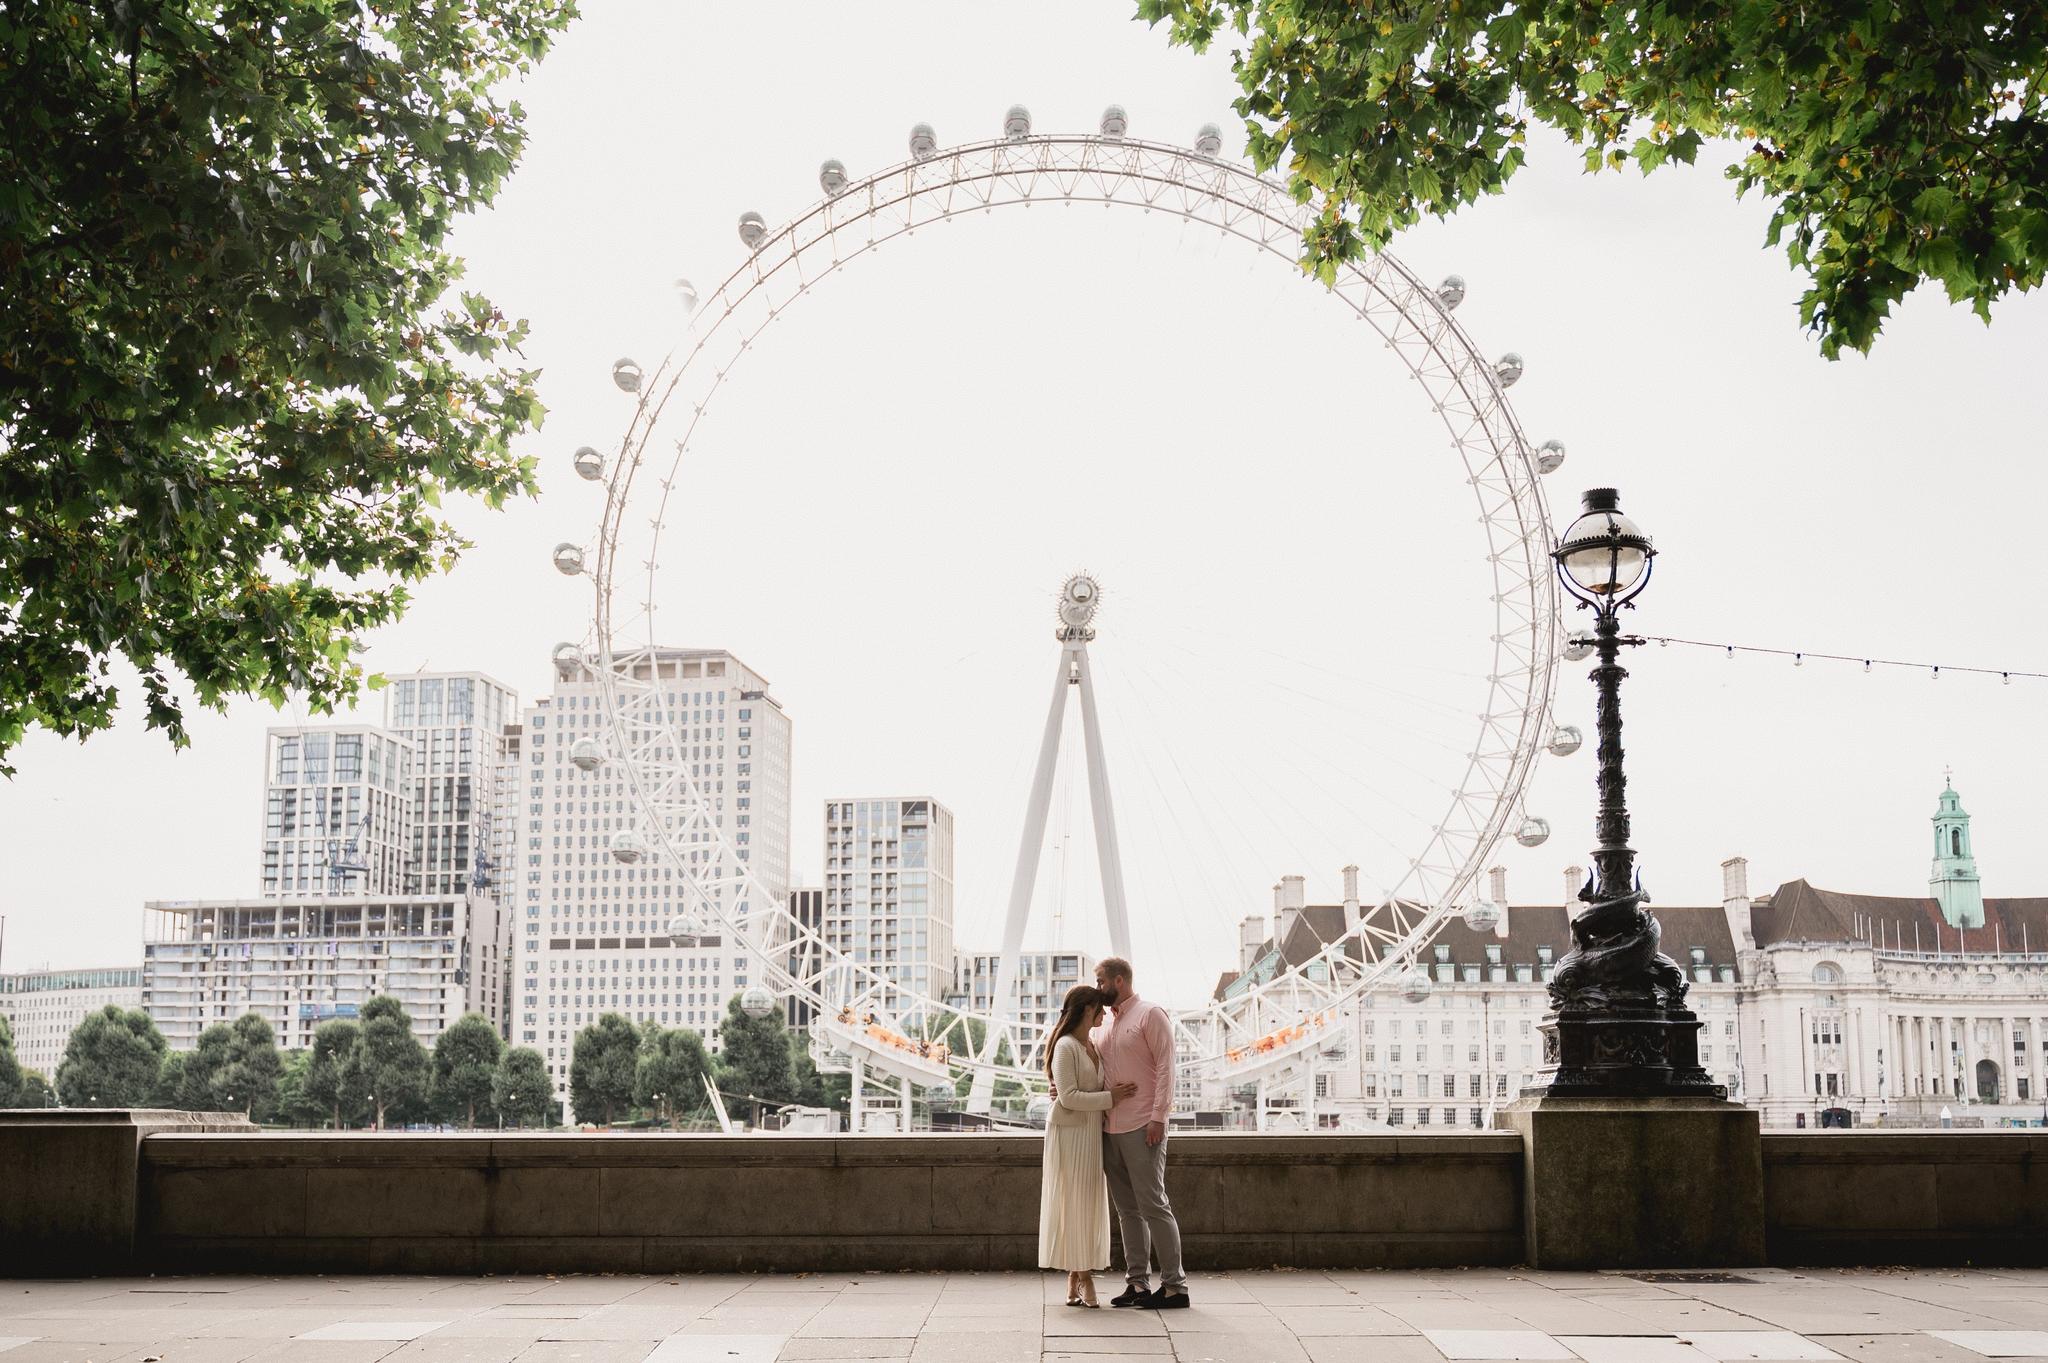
x: 585, y: 755
x: 924, y: 143
x: 1603, y: 553
x: 1114, y: 123
x: 568, y: 559
x: 1208, y: 140
x: 627, y: 846
x: 1534, y: 832
x: 1451, y: 292
x: 1017, y: 123
x: 1482, y: 915
x: 1416, y: 985
x: 589, y: 464
x: 1565, y: 740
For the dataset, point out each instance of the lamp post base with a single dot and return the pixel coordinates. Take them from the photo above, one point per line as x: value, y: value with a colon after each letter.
x: 1623, y: 1053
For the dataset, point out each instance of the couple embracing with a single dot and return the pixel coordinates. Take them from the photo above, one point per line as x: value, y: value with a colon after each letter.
x: 1110, y: 1059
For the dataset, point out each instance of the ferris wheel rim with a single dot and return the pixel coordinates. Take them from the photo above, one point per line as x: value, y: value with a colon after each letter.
x: 1261, y: 212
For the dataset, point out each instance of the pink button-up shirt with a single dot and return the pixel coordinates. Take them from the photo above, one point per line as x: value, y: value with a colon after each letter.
x: 1136, y: 1045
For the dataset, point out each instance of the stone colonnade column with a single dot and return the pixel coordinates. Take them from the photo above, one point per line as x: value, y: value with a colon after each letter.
x: 2035, y: 1062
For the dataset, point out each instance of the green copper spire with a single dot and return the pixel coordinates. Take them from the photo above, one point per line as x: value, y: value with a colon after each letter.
x: 1954, y: 880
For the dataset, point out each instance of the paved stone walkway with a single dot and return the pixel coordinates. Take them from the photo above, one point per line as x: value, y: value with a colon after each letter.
x: 1883, y: 1316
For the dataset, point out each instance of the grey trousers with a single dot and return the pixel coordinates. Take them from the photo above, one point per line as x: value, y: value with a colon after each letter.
x: 1137, y: 1190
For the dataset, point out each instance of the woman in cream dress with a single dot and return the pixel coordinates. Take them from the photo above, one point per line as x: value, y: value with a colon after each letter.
x: 1073, y: 1202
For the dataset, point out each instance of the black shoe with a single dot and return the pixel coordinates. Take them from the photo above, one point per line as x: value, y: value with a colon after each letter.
x: 1162, y: 1300
x: 1132, y: 1295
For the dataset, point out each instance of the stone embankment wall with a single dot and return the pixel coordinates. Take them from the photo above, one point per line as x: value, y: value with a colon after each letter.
x: 1882, y: 1197
x: 117, y: 1192
x: 655, y: 1203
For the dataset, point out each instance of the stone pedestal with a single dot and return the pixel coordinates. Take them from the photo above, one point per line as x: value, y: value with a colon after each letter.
x: 68, y: 1180
x: 1625, y: 1053
x: 1620, y: 1183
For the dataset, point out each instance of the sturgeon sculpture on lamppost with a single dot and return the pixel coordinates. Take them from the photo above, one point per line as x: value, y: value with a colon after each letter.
x: 1618, y: 1026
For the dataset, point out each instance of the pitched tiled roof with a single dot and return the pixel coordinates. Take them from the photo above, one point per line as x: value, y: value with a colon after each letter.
x: 1529, y: 927
x: 1800, y: 912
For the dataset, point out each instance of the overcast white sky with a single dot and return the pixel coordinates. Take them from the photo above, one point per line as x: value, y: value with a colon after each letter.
x: 1295, y: 621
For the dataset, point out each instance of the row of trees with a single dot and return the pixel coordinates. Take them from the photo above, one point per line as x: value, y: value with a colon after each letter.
x: 620, y: 1072
x: 372, y: 1071
x: 369, y: 1071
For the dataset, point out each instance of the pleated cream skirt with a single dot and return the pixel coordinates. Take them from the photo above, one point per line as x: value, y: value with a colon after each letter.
x: 1073, y: 1200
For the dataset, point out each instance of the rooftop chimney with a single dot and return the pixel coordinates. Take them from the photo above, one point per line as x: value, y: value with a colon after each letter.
x: 1351, y: 905
x: 1293, y: 897
x: 1497, y: 891
x: 1251, y: 935
x: 1735, y: 901
x: 1574, y: 881
x: 1274, y: 927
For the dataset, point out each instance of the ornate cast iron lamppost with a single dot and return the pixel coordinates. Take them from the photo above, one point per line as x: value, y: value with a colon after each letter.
x: 1619, y: 1026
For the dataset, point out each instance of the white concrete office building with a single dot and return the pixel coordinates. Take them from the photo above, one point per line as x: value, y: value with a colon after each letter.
x: 591, y: 934
x: 889, y: 894
x: 43, y: 1006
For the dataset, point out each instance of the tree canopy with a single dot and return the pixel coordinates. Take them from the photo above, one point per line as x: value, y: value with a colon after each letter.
x: 234, y: 382
x: 234, y: 1068
x: 521, y: 1091
x: 111, y: 1060
x: 12, y: 1076
x: 1896, y: 143
x: 465, y: 1064
x: 602, y: 1067
x: 387, y: 1064
x: 331, y: 1084
x: 753, y: 1056
x: 669, y: 1077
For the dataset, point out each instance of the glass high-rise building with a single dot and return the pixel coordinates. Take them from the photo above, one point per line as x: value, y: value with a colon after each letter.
x: 889, y: 896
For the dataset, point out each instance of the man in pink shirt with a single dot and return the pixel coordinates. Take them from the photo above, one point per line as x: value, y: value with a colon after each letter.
x: 1136, y: 1045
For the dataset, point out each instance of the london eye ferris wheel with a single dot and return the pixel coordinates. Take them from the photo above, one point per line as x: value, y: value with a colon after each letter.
x: 675, y: 814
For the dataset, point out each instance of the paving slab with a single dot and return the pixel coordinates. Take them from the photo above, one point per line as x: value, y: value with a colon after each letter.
x: 1486, y: 1316
x: 1998, y: 1343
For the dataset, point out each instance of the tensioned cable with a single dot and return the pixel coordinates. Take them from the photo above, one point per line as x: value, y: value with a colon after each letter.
x: 1799, y: 656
